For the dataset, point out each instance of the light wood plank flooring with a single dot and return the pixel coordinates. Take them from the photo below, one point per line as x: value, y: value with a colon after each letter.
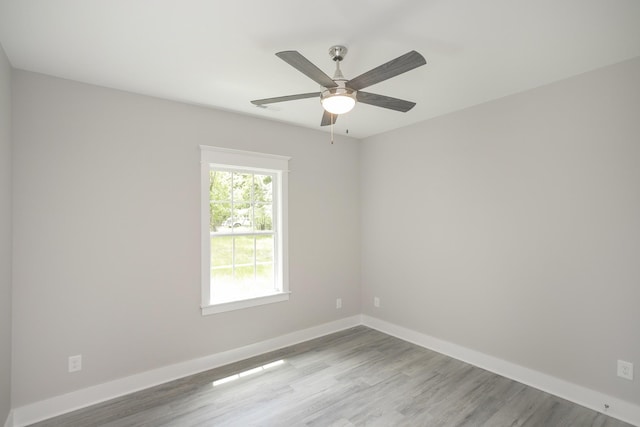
x: 357, y: 377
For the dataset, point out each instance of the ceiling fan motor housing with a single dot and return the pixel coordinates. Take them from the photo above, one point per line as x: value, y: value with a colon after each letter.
x: 341, y: 90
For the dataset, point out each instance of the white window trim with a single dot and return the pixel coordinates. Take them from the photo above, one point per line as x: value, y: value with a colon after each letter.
x: 227, y: 157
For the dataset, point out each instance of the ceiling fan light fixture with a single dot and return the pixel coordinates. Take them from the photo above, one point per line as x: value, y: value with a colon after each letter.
x: 338, y: 100
x: 338, y: 104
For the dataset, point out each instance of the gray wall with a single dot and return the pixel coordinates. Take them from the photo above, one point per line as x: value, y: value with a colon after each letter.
x: 5, y: 236
x: 513, y: 228
x: 106, y: 226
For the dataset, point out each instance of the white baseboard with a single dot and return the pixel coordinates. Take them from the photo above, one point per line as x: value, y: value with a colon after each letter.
x: 58, y: 405
x: 591, y: 399
x: 62, y: 404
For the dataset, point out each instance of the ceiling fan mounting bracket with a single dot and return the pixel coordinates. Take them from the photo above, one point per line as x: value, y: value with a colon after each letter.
x: 337, y: 53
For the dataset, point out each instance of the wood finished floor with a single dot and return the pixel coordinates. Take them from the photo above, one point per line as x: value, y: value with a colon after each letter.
x: 357, y: 377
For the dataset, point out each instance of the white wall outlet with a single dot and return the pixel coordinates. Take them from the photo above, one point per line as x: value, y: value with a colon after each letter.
x: 75, y: 363
x: 625, y: 370
x: 376, y: 302
x: 338, y: 302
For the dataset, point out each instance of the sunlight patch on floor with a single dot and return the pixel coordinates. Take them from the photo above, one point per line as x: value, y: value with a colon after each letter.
x: 247, y: 373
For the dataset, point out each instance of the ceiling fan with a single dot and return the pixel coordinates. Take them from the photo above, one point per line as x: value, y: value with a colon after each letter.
x: 339, y: 95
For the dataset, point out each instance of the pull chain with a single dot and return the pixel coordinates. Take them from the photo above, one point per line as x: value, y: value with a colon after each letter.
x: 332, y: 121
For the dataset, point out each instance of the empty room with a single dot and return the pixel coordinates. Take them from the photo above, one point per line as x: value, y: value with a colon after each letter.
x: 347, y: 213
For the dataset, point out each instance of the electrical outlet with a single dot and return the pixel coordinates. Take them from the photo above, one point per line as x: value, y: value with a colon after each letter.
x: 338, y: 302
x: 75, y: 363
x: 376, y: 302
x: 625, y: 370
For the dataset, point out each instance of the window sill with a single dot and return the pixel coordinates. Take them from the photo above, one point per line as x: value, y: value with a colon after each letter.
x: 245, y: 303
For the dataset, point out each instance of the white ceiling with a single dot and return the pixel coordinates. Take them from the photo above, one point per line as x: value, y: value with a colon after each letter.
x: 221, y: 53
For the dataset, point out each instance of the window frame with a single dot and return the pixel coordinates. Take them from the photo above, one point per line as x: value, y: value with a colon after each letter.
x: 254, y: 162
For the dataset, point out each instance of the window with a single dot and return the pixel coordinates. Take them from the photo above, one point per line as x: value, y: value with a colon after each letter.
x: 244, y: 229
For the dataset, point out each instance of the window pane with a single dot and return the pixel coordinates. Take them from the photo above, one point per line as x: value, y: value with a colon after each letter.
x: 264, y: 249
x: 222, y: 280
x: 221, y: 283
x: 220, y: 216
x: 244, y: 251
x: 221, y: 252
x: 264, y: 262
x: 220, y: 186
x: 263, y: 217
x: 242, y: 183
x: 263, y: 188
x: 264, y: 278
x: 244, y: 276
x: 242, y: 217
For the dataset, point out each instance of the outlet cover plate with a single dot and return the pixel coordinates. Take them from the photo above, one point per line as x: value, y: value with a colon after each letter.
x: 75, y: 363
x: 625, y: 370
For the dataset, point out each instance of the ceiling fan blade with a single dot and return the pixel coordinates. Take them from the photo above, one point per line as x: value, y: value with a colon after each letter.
x: 302, y: 64
x: 397, y: 66
x: 285, y: 98
x: 327, y: 118
x: 385, y: 101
